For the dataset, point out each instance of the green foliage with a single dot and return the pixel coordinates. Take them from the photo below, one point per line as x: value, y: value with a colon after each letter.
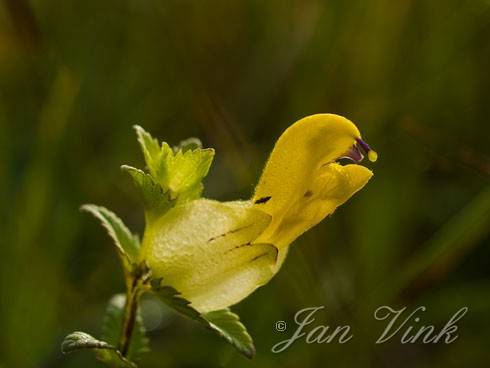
x: 186, y: 170
x: 227, y: 325
x: 152, y: 151
x: 126, y: 243
x: 105, y: 352
x: 106, y: 348
x: 175, y: 174
x: 179, y: 172
x: 224, y: 323
x: 175, y: 300
x: 80, y: 340
x: 155, y: 200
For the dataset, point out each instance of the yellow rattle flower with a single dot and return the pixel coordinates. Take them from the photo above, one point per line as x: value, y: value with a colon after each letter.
x: 217, y: 253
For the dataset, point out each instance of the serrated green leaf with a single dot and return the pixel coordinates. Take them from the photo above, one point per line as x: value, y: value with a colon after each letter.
x: 126, y: 243
x: 112, y: 328
x: 105, y: 352
x: 175, y: 300
x: 187, y: 169
x: 151, y: 149
x: 155, y: 155
x: 227, y: 324
x: 224, y: 323
x: 155, y: 200
x: 179, y: 171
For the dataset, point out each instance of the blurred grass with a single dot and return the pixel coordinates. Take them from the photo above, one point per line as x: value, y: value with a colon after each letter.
x: 447, y: 247
x: 75, y: 76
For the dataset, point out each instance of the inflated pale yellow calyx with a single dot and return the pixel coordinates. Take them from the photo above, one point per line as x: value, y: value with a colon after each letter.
x: 207, y: 251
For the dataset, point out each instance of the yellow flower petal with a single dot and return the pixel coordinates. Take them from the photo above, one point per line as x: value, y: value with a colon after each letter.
x: 301, y: 183
x: 205, y: 249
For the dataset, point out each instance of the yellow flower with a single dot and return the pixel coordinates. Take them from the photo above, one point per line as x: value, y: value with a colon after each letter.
x: 218, y: 253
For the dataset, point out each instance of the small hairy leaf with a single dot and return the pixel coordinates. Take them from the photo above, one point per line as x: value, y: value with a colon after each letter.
x: 112, y: 328
x: 80, y: 340
x: 105, y: 352
x: 224, y: 323
x: 180, y: 170
x: 126, y: 243
x: 155, y: 155
x: 155, y: 200
x: 187, y: 169
x: 151, y: 149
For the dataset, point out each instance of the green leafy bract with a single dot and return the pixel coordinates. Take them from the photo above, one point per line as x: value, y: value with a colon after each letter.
x: 105, y: 352
x: 155, y: 200
x: 126, y: 243
x: 224, y: 323
x: 179, y: 171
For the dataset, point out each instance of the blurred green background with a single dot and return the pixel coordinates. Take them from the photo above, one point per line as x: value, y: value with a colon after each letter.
x: 413, y: 75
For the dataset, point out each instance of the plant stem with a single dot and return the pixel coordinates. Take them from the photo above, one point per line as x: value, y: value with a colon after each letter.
x: 129, y: 317
x: 136, y: 283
